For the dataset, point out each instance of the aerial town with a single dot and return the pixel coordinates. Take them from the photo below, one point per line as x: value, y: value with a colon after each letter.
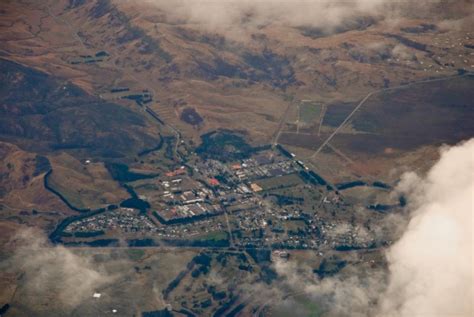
x: 270, y: 200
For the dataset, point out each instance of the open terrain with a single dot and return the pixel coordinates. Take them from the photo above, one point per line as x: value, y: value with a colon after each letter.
x: 181, y: 166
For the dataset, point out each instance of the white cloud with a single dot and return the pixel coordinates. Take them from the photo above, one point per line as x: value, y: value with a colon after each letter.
x: 54, y: 269
x: 431, y: 266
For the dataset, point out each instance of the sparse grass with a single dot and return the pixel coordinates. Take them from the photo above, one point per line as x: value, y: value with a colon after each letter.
x: 311, y: 307
x: 84, y: 186
x: 70, y: 194
x: 294, y: 225
x: 280, y: 182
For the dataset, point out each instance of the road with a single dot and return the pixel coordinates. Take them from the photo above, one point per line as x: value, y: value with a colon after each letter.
x: 229, y: 229
x: 362, y: 102
x: 281, y: 124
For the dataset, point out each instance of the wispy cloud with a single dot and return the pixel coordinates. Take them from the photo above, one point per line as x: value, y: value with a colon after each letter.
x: 54, y: 270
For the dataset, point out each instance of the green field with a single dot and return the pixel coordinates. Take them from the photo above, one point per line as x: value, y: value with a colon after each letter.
x: 299, y: 305
x: 310, y: 112
x: 135, y: 254
x: 214, y: 236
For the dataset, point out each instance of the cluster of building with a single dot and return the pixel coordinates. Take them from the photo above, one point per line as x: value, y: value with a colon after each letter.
x: 211, y: 196
x: 191, y: 230
x: 125, y: 220
x: 267, y: 164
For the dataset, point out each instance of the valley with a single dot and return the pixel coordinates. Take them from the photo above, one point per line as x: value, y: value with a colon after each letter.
x: 156, y: 165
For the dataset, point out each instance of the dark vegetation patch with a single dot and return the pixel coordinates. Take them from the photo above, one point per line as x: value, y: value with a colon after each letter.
x: 381, y: 185
x: 142, y: 243
x: 336, y: 113
x: 185, y: 220
x: 359, y: 183
x: 42, y: 165
x: 76, y: 3
x: 410, y: 43
x: 136, y: 203
x: 215, y: 40
x: 284, y: 151
x: 95, y: 243
x: 312, y: 178
x: 119, y: 89
x: 254, y: 67
x: 283, y: 200
x: 354, y: 24
x: 128, y: 32
x: 226, y: 306
x: 153, y: 149
x: 402, y: 200
x: 154, y: 115
x: 236, y: 310
x: 158, y: 313
x: 121, y: 173
x: 55, y: 236
x: 422, y: 28
x: 202, y: 263
x: 268, y: 274
x: 382, y: 207
x: 330, y: 267
x: 217, y: 296
x: 361, y: 55
x: 102, y: 54
x: 260, y: 255
x: 266, y: 66
x: 90, y: 59
x: 185, y: 312
x: 206, y: 303
x: 269, y: 66
x: 302, y: 140
x: 175, y: 282
x: 40, y: 113
x: 141, y: 98
x: 423, y: 114
x: 204, y: 243
x: 4, y: 309
x: 169, y: 147
x: 191, y: 116
x: 216, y: 68
x: 355, y: 247
x: 348, y: 185
x: 147, y: 44
x: 101, y: 8
x: 225, y: 146
x: 87, y: 234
